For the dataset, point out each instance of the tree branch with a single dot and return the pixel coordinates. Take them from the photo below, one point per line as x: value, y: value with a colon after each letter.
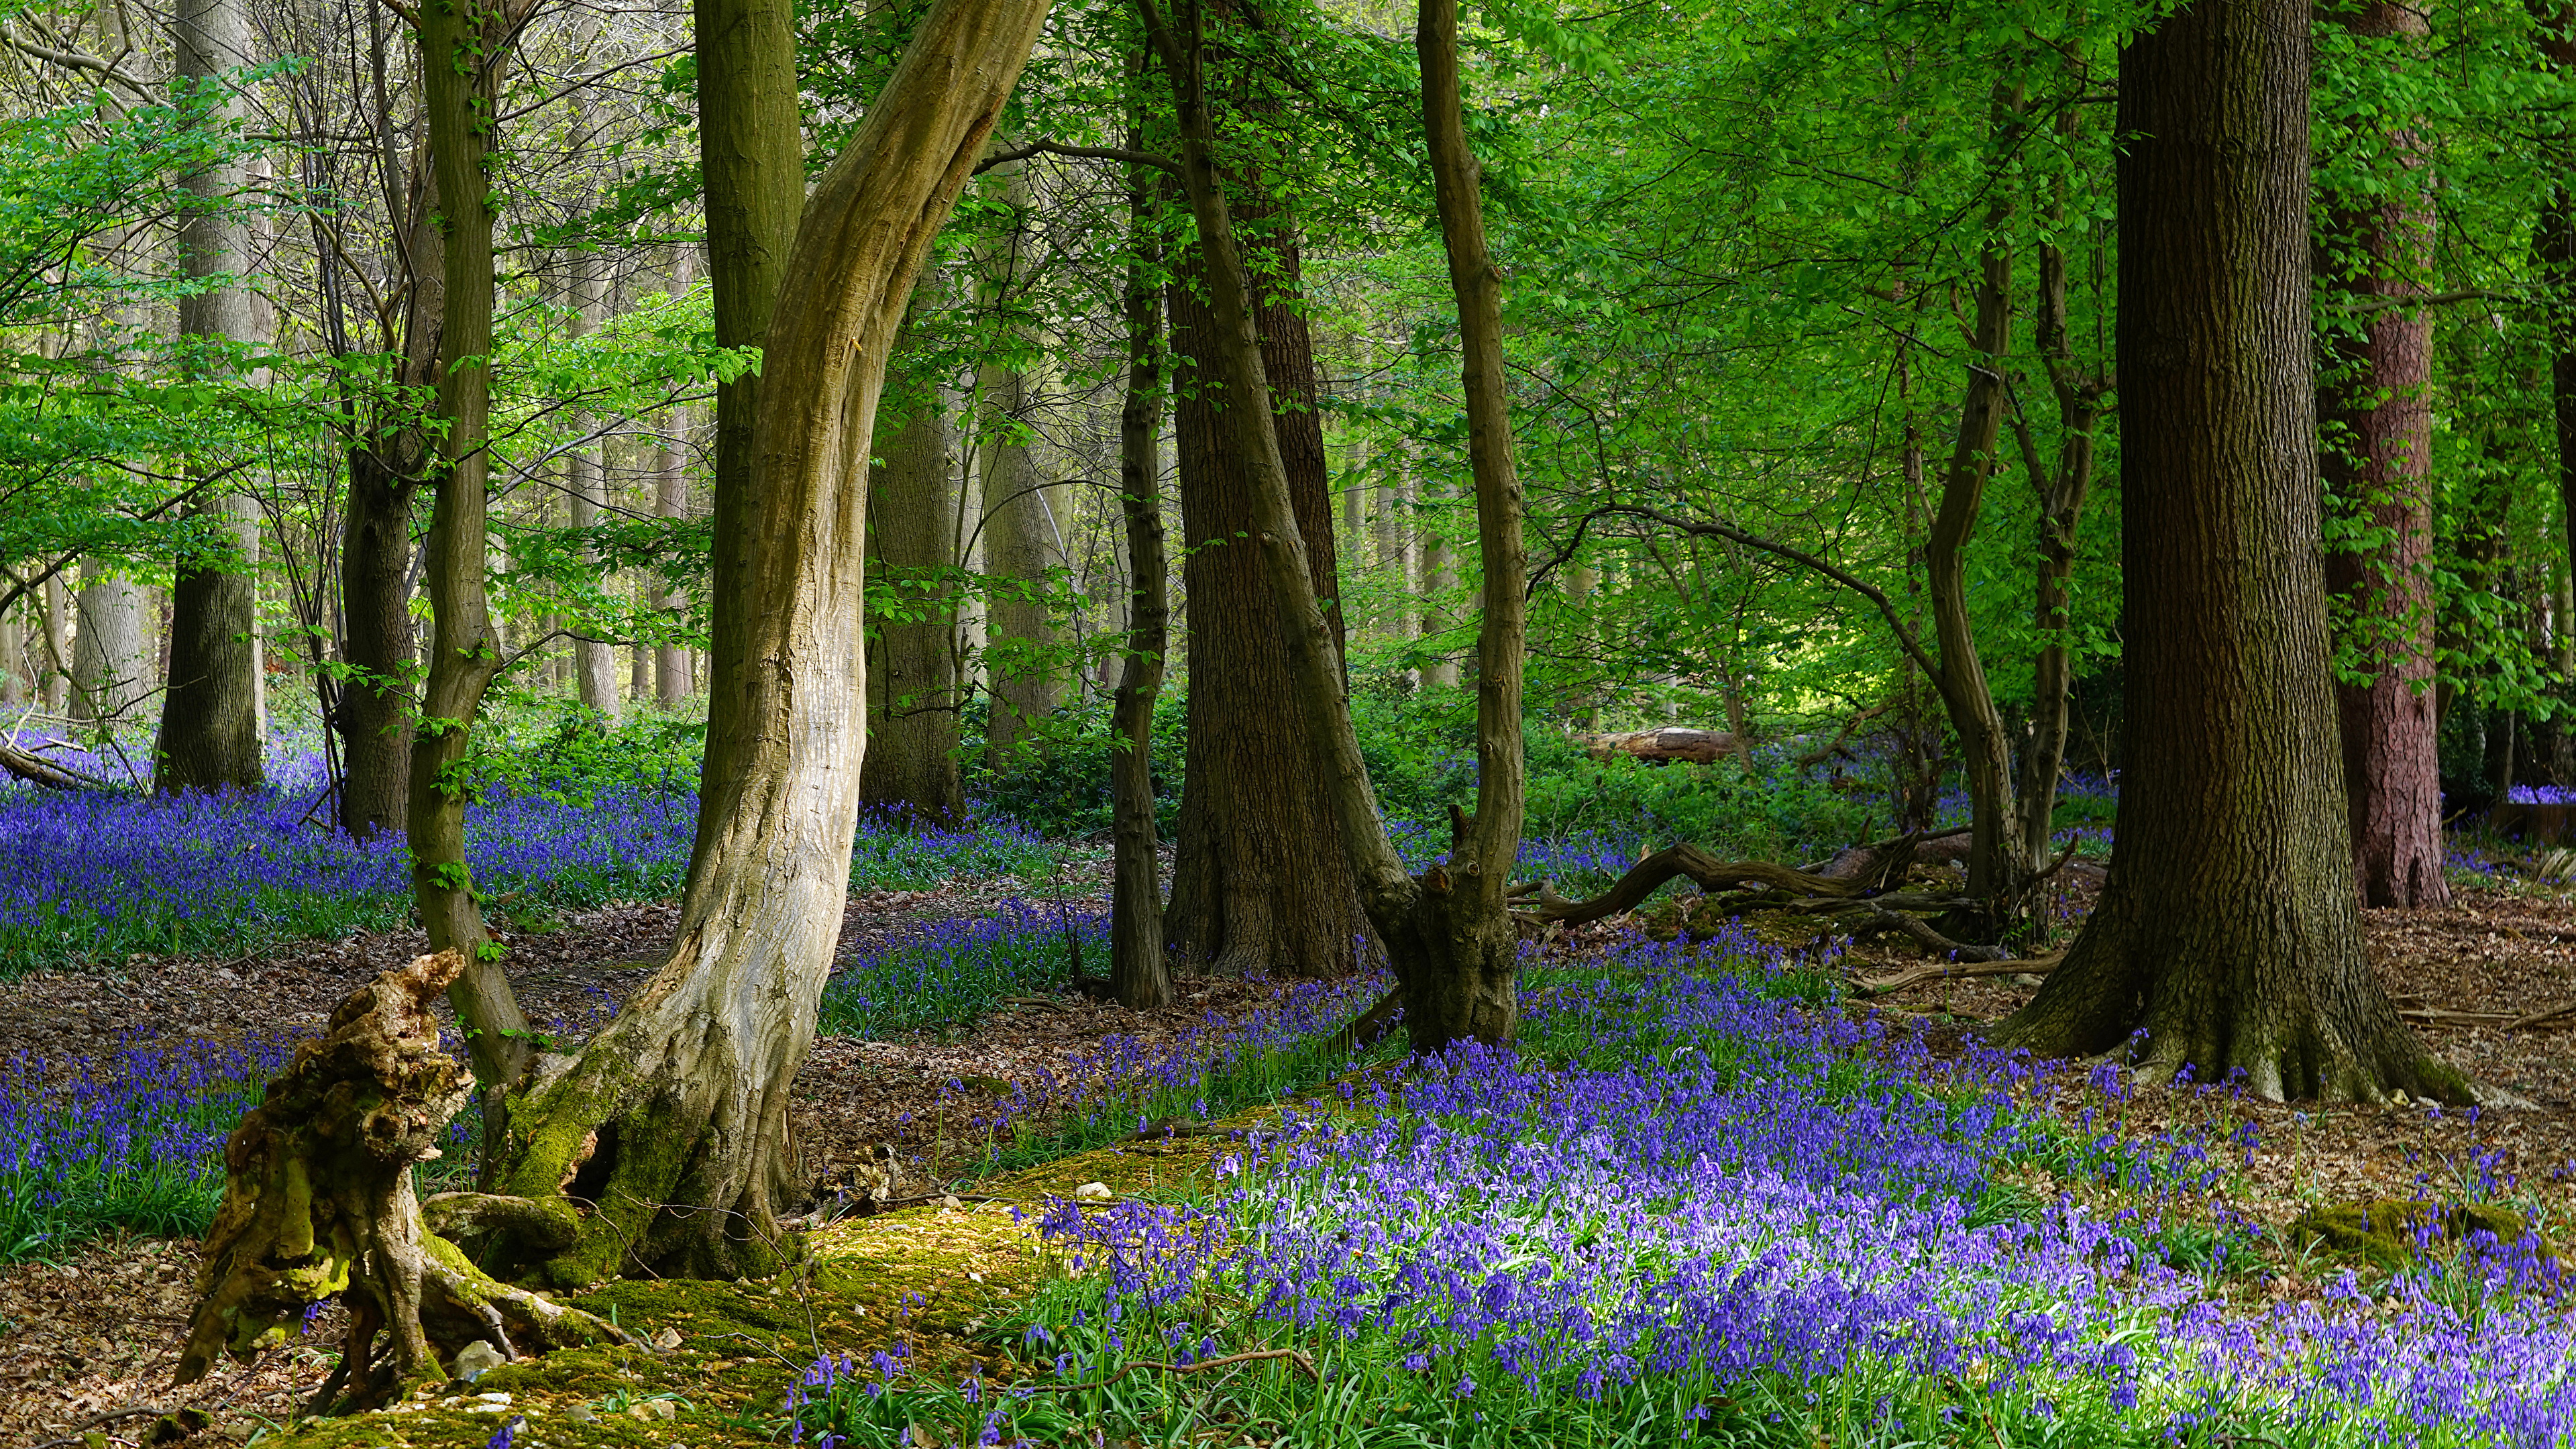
x: 1096, y: 153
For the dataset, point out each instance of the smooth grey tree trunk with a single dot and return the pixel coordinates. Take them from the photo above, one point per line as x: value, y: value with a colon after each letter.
x: 911, y: 767
x: 112, y: 651
x: 594, y: 661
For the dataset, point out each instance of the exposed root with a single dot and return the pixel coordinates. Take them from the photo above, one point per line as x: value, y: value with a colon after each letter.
x: 318, y: 1200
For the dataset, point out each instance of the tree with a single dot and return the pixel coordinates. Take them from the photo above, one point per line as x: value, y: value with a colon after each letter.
x: 911, y: 765
x: 1257, y: 888
x: 683, y: 1099
x: 1139, y: 973
x: 2378, y: 455
x: 2228, y: 931
x: 210, y: 726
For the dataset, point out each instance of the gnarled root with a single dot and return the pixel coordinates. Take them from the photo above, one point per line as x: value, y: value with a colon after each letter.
x: 318, y: 1200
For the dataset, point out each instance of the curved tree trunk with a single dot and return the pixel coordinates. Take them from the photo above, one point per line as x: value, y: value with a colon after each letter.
x: 2228, y: 931
x: 911, y: 763
x: 2379, y: 463
x: 1258, y: 887
x: 673, y: 1123
x: 210, y: 725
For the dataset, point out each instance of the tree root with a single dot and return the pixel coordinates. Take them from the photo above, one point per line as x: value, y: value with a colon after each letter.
x: 318, y: 1200
x: 1954, y: 970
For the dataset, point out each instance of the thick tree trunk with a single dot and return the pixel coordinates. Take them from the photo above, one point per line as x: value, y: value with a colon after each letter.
x: 112, y: 653
x: 594, y: 660
x: 2378, y: 461
x: 683, y: 1100
x: 1258, y: 887
x: 1139, y: 973
x: 2228, y: 930
x: 210, y: 727
x: 462, y: 47
x: 911, y: 763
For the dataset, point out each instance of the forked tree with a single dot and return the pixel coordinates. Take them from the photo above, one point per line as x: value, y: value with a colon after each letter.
x: 2228, y: 931
x: 1448, y: 933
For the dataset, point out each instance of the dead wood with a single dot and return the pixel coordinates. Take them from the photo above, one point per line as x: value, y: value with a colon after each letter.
x: 1859, y: 916
x: 1708, y: 872
x: 318, y: 1201
x: 2509, y: 1021
x: 35, y: 769
x: 1672, y: 744
x: 1954, y: 970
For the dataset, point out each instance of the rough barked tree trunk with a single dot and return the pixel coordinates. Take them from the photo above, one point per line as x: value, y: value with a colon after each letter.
x: 377, y: 651
x: 1139, y: 973
x: 2228, y: 931
x: 210, y: 726
x: 1447, y: 934
x: 2378, y: 456
x: 463, y: 44
x: 673, y: 1122
x: 672, y: 678
x: 1258, y: 887
x: 911, y: 766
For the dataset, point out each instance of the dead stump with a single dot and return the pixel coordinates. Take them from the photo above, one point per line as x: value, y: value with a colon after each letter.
x: 318, y: 1201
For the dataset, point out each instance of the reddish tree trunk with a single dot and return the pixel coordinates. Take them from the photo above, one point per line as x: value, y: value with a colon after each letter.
x: 2378, y: 462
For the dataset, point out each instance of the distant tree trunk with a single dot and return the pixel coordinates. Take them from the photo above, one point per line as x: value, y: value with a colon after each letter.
x: 112, y: 652
x: 2228, y: 929
x: 462, y: 46
x: 2378, y: 462
x: 683, y: 1099
x: 673, y: 680
x: 1019, y: 547
x: 58, y: 647
x: 1258, y: 888
x: 594, y: 660
x: 210, y: 725
x: 911, y: 763
x: 13, y: 661
x: 1140, y: 973
x: 1440, y: 671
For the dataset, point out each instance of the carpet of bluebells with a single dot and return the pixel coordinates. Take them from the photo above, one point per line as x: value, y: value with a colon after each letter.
x: 91, y: 876
x: 1691, y: 1207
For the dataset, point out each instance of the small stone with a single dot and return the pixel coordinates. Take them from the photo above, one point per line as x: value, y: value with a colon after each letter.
x: 661, y: 1408
x: 503, y: 1400
x: 475, y: 1360
x: 581, y: 1414
x: 667, y: 1340
x: 950, y: 1201
x: 1093, y: 1192
x: 2024, y: 978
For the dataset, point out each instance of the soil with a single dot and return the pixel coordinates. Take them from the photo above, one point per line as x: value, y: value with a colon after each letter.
x: 98, y: 1332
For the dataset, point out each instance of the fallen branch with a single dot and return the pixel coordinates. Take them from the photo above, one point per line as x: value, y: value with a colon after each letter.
x: 35, y: 769
x: 1708, y: 872
x: 80, y: 1431
x: 2509, y: 1021
x: 1952, y: 970
x: 1918, y: 930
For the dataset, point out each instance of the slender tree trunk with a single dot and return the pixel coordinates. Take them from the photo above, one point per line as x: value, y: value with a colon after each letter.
x: 683, y: 1099
x: 2228, y: 930
x: 1258, y: 887
x: 1139, y: 973
x: 112, y: 652
x: 58, y: 647
x: 1440, y: 671
x: 1019, y: 547
x: 2378, y: 458
x: 911, y: 763
x: 594, y: 660
x: 13, y: 661
x: 672, y: 678
x: 463, y: 44
x: 210, y: 726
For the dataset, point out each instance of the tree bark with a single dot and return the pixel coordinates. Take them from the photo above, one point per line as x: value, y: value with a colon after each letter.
x: 2378, y: 463
x: 1258, y: 887
x: 911, y: 765
x: 111, y: 653
x: 1139, y: 973
x: 1440, y: 671
x: 594, y: 660
x: 2228, y: 930
x: 210, y: 727
x: 673, y: 680
x: 674, y: 1120
x: 463, y: 44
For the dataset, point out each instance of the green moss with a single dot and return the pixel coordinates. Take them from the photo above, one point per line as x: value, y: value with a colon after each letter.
x: 2386, y: 1233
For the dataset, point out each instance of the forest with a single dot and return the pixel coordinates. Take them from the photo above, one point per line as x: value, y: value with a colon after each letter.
x: 1287, y: 722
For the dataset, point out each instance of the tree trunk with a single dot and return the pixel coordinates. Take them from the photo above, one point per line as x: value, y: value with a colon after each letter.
x: 1258, y: 887
x: 462, y: 46
x: 111, y: 653
x: 59, y: 650
x: 210, y: 727
x: 594, y: 660
x: 1440, y: 670
x: 2228, y: 930
x: 2378, y: 464
x: 683, y: 1099
x: 673, y: 680
x: 911, y: 763
x: 1019, y: 548
x: 1139, y: 973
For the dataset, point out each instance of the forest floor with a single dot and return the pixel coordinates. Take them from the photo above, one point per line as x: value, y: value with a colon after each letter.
x: 98, y: 1331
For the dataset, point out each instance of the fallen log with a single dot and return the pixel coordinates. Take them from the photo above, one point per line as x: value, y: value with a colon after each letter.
x: 1689, y: 861
x: 1672, y: 744
x: 35, y: 769
x: 1954, y: 970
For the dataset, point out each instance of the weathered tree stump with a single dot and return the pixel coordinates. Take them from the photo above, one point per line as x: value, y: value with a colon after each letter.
x: 318, y: 1200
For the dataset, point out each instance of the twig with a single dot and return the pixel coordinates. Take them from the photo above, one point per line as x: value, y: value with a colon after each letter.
x: 110, y: 1417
